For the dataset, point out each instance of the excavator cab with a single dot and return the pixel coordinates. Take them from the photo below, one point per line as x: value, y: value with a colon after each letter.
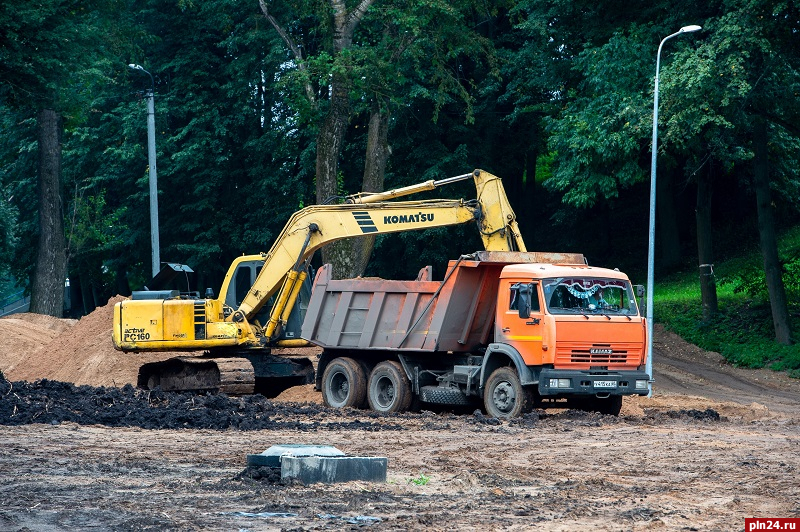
x: 244, y: 277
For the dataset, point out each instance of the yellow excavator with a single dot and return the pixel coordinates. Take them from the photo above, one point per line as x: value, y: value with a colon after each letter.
x: 239, y: 332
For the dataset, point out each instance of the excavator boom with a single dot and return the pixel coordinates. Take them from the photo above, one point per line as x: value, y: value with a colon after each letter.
x: 313, y: 227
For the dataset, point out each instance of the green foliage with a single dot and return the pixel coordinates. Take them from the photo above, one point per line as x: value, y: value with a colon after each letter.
x: 421, y: 480
x: 742, y: 332
x: 752, y: 280
x: 50, y: 52
x: 18, y: 188
x: 8, y: 237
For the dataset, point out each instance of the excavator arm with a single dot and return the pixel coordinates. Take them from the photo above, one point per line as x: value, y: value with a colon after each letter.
x: 363, y: 214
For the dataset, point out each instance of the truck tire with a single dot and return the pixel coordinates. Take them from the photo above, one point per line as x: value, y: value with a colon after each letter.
x: 389, y: 390
x: 504, y: 396
x: 344, y: 384
x: 609, y: 406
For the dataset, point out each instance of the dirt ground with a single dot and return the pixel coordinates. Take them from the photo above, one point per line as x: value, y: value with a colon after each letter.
x: 714, y: 445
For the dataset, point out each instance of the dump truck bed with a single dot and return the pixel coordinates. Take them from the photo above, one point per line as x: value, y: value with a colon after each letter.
x: 456, y: 314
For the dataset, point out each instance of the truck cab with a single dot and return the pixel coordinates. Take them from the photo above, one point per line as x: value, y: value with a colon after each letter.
x: 579, y: 328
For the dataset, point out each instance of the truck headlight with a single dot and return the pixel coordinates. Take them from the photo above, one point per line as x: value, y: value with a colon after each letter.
x: 560, y: 383
x: 641, y: 385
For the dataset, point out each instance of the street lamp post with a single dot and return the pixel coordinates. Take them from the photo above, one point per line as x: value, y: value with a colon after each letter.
x: 151, y: 154
x: 652, y: 239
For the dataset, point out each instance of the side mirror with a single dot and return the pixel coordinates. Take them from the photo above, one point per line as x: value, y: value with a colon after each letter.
x: 639, y: 290
x: 525, y: 292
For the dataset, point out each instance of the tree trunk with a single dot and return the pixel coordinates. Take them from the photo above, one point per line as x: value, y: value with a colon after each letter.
x: 766, y: 233
x: 331, y: 133
x: 668, y: 222
x: 374, y: 170
x: 47, y: 290
x: 329, y: 145
x: 86, y: 294
x: 705, y: 256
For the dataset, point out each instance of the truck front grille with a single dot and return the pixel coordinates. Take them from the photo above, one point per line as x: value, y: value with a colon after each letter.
x: 587, y: 357
x: 618, y: 354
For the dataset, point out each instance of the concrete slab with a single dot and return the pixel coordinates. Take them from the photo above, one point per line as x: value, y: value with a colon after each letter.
x: 272, y: 456
x: 332, y: 469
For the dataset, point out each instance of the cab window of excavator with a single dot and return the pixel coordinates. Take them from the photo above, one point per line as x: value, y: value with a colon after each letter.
x: 244, y: 281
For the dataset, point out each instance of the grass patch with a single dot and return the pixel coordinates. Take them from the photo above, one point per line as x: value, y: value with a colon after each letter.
x: 742, y: 332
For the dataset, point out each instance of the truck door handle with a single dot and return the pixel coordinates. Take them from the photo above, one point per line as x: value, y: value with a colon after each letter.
x: 506, y: 329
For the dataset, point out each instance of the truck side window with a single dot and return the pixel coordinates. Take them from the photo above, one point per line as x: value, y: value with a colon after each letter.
x: 514, y: 301
x: 528, y: 290
x: 534, y: 291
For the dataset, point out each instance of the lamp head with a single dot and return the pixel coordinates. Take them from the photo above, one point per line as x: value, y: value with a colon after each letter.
x: 689, y: 29
x: 135, y: 67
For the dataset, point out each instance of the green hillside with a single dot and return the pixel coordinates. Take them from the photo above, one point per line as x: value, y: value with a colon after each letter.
x: 742, y: 331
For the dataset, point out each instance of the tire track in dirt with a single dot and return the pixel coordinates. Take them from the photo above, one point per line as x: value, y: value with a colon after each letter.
x: 682, y: 368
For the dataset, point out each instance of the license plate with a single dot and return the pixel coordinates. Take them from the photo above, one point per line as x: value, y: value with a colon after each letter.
x: 605, y: 384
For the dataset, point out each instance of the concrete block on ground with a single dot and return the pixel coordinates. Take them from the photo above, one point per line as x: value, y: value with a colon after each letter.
x: 272, y: 456
x: 331, y: 469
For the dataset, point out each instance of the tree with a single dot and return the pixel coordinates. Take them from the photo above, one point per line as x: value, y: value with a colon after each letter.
x: 51, y: 263
x: 367, y: 61
x: 332, y: 128
x: 51, y: 61
x: 737, y: 79
x: 766, y: 230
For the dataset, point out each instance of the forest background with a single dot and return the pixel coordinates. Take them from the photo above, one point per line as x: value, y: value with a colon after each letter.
x: 263, y: 107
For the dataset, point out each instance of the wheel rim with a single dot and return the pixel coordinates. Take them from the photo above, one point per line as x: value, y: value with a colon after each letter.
x: 504, y: 397
x: 340, y: 387
x: 384, y: 388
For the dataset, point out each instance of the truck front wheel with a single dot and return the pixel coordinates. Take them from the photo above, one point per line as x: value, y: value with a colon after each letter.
x: 504, y: 396
x: 344, y: 384
x: 389, y: 389
x: 609, y: 406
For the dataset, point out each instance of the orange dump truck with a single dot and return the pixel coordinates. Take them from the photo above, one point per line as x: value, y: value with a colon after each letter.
x: 516, y: 329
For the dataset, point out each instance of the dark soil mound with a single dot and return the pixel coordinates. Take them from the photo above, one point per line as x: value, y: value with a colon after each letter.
x: 53, y: 402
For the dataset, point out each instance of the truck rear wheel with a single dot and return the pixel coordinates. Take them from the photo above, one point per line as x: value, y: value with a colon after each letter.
x: 344, y: 384
x: 389, y: 389
x: 504, y: 396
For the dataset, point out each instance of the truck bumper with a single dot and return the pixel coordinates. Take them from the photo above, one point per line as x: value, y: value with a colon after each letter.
x: 563, y: 382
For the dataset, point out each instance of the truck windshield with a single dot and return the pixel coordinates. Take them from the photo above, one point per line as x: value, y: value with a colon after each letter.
x: 571, y: 295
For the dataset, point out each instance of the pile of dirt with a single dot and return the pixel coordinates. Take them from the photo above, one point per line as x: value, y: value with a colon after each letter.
x: 41, y: 347
x: 301, y: 394
x: 22, y: 334
x: 53, y: 402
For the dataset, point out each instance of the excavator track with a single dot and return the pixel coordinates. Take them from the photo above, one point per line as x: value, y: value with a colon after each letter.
x: 266, y: 374
x: 231, y: 376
